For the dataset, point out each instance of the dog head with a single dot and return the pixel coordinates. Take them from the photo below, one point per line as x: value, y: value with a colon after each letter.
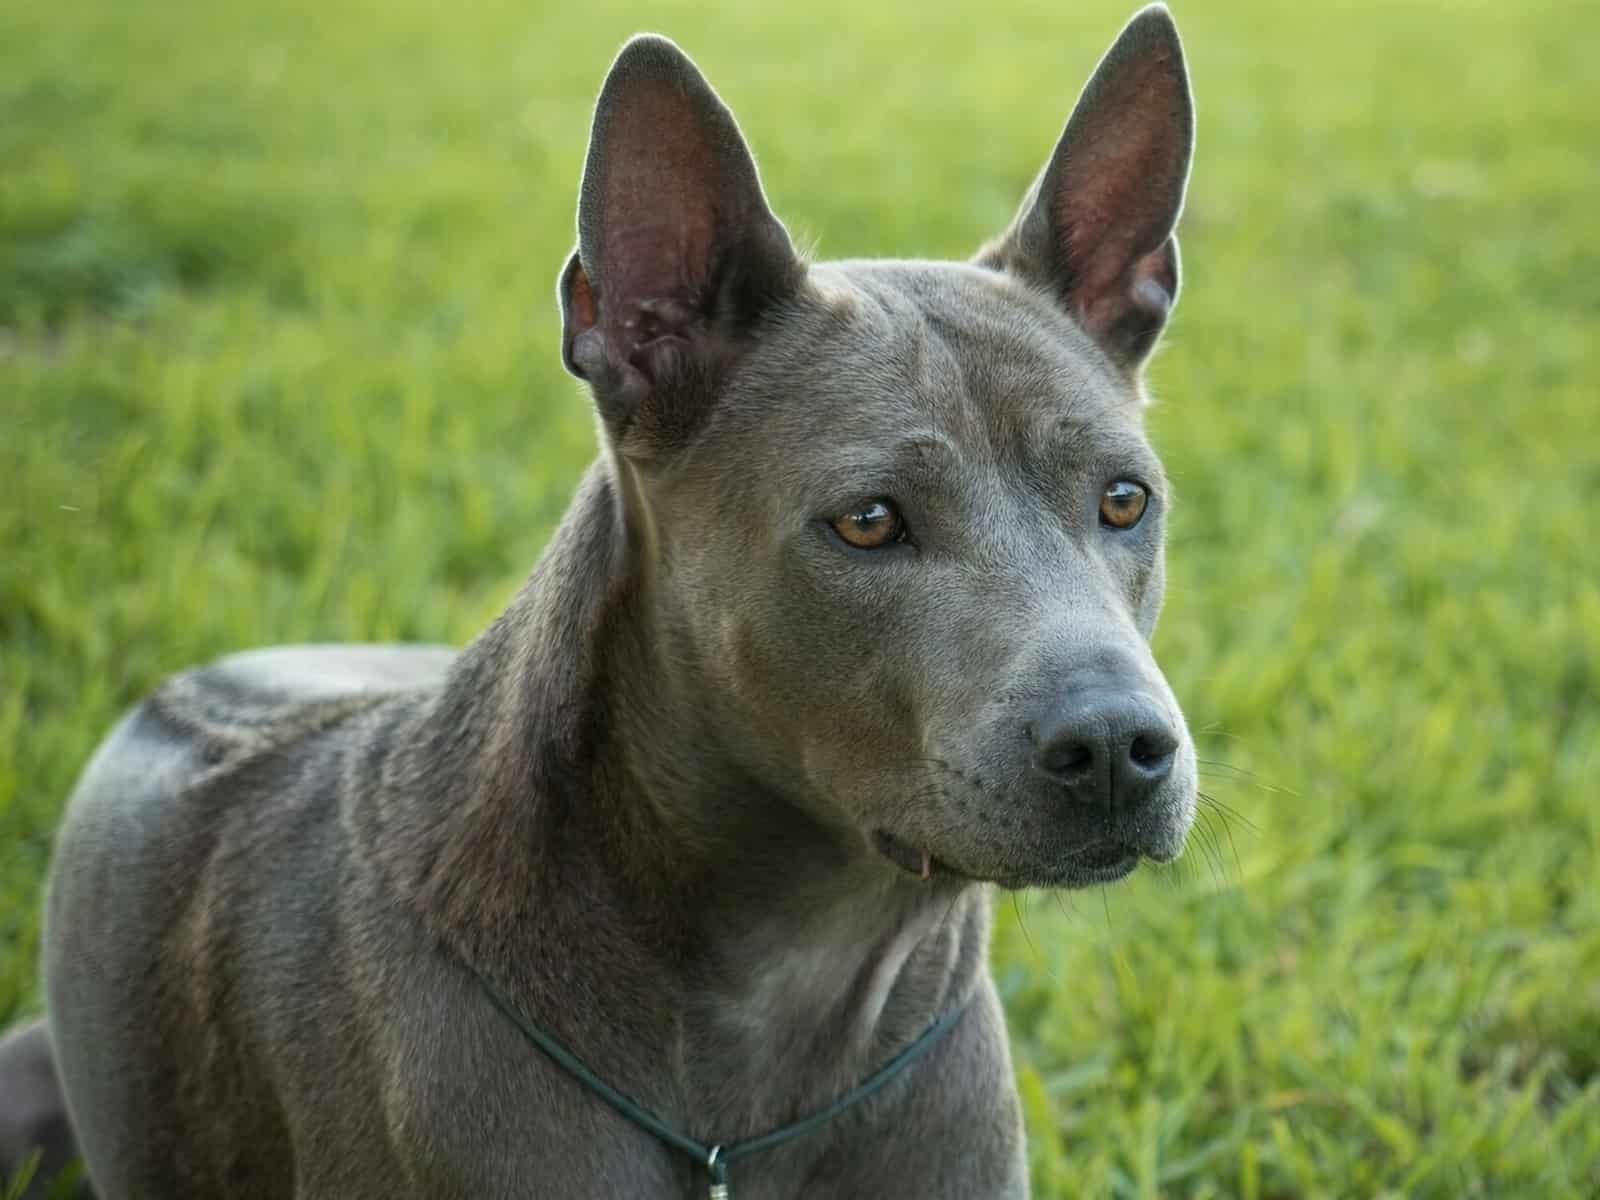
x: 901, y: 526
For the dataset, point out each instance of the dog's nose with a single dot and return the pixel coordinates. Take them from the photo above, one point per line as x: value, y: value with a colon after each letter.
x: 1111, y: 749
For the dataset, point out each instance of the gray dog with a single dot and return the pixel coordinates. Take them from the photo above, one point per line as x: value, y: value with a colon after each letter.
x: 848, y: 622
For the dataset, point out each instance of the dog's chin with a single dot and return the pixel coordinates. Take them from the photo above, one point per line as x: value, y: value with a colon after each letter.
x: 1099, y: 862
x: 1091, y: 865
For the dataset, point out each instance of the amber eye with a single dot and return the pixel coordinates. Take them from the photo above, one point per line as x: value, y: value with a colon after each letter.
x: 876, y: 523
x: 1122, y: 504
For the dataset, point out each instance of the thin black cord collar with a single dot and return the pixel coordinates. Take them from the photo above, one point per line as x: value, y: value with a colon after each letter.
x: 715, y: 1158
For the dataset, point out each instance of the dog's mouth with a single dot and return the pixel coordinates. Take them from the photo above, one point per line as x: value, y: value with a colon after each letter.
x: 909, y: 858
x: 1099, y: 862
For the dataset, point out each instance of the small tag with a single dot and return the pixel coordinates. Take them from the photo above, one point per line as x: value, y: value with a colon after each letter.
x: 718, y: 1171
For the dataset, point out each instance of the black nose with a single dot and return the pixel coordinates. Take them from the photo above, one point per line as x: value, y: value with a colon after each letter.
x: 1111, y: 749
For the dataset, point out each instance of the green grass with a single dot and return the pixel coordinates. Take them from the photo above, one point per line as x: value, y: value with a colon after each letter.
x: 278, y: 362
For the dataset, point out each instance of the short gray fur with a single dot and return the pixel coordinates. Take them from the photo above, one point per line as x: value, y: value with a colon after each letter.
x: 674, y: 800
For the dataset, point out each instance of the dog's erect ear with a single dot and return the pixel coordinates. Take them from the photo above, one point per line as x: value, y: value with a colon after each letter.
x: 678, y: 254
x: 1097, y: 226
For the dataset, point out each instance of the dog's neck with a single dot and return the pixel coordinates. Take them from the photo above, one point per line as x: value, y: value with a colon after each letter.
x: 583, y: 839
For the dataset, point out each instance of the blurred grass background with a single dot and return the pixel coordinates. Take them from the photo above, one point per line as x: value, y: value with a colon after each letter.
x: 278, y: 362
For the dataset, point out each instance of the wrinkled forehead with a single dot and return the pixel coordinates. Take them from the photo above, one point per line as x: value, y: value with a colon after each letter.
x: 874, y: 352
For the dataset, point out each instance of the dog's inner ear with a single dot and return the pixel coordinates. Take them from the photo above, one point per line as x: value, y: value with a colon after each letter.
x: 678, y: 254
x: 1097, y: 227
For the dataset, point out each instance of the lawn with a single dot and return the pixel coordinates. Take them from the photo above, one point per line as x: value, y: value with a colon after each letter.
x: 278, y: 362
